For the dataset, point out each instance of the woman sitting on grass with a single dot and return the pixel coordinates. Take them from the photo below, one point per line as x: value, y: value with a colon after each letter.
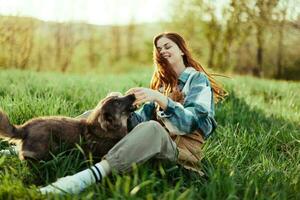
x: 177, y: 115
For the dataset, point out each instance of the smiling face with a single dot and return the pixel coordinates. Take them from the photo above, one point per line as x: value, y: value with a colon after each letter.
x: 169, y: 50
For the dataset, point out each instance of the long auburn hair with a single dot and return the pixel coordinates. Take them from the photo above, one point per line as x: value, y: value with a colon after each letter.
x: 164, y: 75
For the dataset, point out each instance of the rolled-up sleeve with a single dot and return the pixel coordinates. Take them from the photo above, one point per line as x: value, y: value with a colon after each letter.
x: 196, y: 111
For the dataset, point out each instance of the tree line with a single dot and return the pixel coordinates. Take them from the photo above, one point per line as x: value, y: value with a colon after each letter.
x: 248, y: 36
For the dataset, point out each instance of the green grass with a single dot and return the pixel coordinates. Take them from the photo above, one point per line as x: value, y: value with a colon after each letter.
x: 254, y: 153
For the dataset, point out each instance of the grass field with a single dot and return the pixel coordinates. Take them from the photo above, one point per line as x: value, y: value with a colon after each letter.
x: 254, y: 153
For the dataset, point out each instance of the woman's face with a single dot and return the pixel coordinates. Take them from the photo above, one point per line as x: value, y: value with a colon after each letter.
x: 169, y: 50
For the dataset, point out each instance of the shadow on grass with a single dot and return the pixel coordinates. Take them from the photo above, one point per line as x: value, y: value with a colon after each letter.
x: 251, y: 155
x: 236, y: 111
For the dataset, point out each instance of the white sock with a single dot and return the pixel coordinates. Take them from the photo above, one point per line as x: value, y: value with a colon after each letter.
x: 79, y: 181
x: 104, y: 166
x: 100, y: 170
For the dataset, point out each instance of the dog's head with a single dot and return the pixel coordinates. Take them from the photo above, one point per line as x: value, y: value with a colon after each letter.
x: 113, y: 111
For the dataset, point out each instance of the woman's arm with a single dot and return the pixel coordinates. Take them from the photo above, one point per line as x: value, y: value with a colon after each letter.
x: 197, y: 111
x: 145, y: 113
x: 84, y: 115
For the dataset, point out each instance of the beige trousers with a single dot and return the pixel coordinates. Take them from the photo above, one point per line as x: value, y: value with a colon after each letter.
x: 147, y: 140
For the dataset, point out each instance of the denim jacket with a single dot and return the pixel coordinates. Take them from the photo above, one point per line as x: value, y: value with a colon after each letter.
x: 196, y: 112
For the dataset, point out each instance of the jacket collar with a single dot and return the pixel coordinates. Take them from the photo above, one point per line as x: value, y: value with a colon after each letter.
x: 183, y: 77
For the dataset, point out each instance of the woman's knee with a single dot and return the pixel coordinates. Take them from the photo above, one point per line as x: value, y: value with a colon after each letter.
x: 153, y: 127
x: 149, y: 123
x: 154, y: 124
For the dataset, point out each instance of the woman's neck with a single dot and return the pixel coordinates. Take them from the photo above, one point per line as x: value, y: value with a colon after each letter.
x: 179, y: 67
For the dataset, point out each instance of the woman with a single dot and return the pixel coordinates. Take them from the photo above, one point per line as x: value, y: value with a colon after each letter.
x: 178, y: 113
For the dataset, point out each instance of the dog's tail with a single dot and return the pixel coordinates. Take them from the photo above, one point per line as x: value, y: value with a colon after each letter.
x: 7, y: 130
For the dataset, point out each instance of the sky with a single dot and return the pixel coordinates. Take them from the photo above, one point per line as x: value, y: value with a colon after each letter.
x: 100, y: 12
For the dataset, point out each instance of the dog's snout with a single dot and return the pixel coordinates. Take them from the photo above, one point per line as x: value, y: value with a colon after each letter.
x: 131, y: 97
x: 130, y: 100
x: 132, y: 108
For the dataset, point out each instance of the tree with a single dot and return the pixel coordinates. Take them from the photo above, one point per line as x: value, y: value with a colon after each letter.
x: 92, y: 55
x: 233, y: 31
x: 281, y: 17
x: 16, y: 41
x: 189, y: 19
x: 261, y: 16
x: 115, y: 43
x: 213, y: 31
x: 131, y: 30
x: 65, y: 43
x: 26, y: 35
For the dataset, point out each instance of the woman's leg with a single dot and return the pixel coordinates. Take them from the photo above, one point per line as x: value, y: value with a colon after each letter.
x: 146, y: 140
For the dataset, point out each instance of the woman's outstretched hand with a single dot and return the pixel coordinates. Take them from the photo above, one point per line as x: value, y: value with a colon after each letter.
x: 143, y: 95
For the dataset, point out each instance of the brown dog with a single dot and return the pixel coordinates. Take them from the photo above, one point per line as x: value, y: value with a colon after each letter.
x: 106, y: 125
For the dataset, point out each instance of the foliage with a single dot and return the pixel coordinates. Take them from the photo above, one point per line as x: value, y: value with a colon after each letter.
x: 247, y: 36
x: 258, y: 37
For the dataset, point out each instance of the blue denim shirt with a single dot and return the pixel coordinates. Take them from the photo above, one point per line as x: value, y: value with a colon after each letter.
x: 196, y: 112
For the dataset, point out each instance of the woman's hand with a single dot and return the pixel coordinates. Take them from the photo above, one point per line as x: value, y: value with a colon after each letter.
x: 143, y: 95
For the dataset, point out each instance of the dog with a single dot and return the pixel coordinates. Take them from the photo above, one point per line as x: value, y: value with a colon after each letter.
x: 103, y: 128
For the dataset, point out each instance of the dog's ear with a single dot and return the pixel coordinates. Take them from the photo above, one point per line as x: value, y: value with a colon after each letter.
x: 104, y: 100
x: 101, y: 121
x: 106, y: 121
x: 108, y: 117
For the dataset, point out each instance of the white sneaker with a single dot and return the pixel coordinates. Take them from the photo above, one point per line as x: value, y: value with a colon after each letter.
x: 68, y: 184
x: 79, y: 181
